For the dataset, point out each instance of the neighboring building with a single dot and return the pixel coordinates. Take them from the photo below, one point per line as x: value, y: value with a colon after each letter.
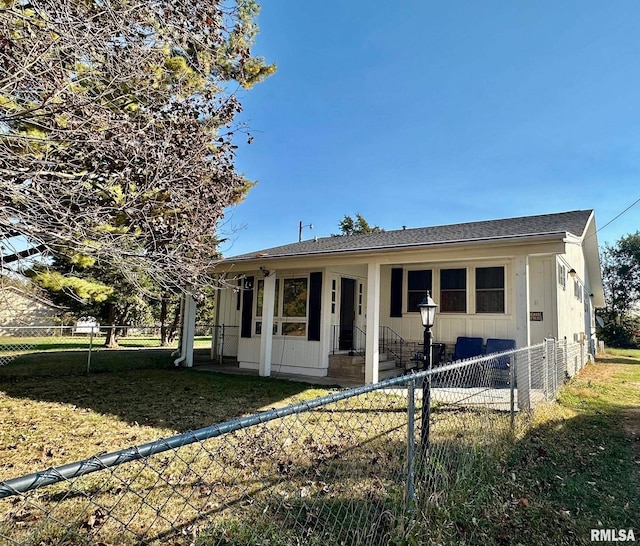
x: 20, y: 306
x: 522, y: 278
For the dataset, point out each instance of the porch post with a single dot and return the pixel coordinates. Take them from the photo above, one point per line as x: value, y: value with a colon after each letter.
x: 266, y: 337
x: 189, y: 332
x: 523, y: 331
x: 372, y: 356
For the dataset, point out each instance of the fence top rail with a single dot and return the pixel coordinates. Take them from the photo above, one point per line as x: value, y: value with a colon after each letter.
x: 22, y: 484
x: 103, y: 326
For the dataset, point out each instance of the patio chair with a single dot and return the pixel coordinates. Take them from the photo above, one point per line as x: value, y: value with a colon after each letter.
x: 498, y: 368
x: 467, y: 347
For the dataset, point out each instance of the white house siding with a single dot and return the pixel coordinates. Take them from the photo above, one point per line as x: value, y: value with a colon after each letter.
x: 543, y: 289
x: 227, y: 311
x: 288, y: 355
x: 572, y: 317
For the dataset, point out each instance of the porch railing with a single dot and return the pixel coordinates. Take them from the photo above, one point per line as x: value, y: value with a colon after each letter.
x: 351, y: 340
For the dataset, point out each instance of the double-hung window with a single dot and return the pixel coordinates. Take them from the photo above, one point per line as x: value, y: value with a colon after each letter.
x: 490, y: 290
x: 418, y: 282
x: 453, y: 290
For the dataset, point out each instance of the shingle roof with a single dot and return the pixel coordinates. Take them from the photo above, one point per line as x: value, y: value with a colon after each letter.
x: 574, y: 222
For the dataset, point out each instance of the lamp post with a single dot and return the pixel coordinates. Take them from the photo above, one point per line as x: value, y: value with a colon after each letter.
x: 428, y: 316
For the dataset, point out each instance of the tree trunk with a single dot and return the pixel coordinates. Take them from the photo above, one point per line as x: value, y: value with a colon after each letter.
x: 168, y: 330
x: 164, y: 333
x: 111, y: 342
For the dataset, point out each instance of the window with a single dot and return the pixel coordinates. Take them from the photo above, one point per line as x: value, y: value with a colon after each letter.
x: 293, y: 294
x: 453, y: 291
x: 333, y: 296
x: 259, y: 306
x: 490, y: 290
x: 418, y: 282
x: 577, y: 289
x: 294, y: 306
x: 359, y: 298
x: 562, y: 276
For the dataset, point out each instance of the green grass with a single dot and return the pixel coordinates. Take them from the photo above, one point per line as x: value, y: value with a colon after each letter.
x: 52, y: 412
x: 333, y: 474
x: 577, y: 468
x: 29, y: 344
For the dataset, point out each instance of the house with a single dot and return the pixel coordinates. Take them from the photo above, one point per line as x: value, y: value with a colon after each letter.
x: 301, y: 306
x: 22, y: 306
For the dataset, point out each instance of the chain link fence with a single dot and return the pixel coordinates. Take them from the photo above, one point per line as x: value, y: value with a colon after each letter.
x: 16, y: 341
x: 365, y: 466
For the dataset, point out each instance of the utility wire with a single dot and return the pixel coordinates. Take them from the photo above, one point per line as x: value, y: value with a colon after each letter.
x: 618, y: 216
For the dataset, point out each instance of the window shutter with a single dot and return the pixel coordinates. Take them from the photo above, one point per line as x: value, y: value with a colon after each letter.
x: 396, y: 292
x: 315, y: 306
x: 247, y: 308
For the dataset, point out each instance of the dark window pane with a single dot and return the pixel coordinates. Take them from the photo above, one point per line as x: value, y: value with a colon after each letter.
x: 419, y: 280
x: 490, y: 301
x: 453, y: 279
x: 453, y: 301
x: 489, y: 277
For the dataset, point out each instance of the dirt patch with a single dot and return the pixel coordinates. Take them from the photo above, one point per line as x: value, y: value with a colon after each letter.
x: 602, y: 372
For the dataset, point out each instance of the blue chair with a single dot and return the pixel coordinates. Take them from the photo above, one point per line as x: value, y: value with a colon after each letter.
x: 467, y: 347
x: 498, y: 368
x: 498, y: 346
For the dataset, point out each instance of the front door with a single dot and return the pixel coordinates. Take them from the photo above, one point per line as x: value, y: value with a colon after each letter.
x: 347, y: 313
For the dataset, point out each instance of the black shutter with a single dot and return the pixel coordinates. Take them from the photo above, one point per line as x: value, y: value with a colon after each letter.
x: 315, y: 305
x: 247, y: 308
x: 396, y: 292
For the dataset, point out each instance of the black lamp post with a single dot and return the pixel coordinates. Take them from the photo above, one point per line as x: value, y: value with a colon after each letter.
x: 428, y: 316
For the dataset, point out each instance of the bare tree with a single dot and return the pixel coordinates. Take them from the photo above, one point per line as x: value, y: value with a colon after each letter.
x: 117, y: 129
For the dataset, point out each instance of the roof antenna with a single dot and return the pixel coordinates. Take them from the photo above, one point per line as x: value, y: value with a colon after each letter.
x: 300, y: 226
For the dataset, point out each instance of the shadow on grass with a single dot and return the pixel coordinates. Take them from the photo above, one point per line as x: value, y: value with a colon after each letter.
x: 141, y: 386
x: 618, y: 360
x: 552, y: 487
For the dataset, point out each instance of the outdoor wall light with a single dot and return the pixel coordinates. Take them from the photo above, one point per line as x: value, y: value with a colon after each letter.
x: 572, y: 273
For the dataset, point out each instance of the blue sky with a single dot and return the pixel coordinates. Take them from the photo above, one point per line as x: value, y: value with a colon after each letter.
x: 431, y: 112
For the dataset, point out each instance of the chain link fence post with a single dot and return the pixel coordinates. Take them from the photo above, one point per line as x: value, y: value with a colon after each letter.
x: 411, y: 423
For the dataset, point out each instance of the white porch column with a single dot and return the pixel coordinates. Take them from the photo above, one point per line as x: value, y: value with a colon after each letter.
x: 266, y: 337
x: 523, y: 331
x: 189, y: 329
x: 372, y: 356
